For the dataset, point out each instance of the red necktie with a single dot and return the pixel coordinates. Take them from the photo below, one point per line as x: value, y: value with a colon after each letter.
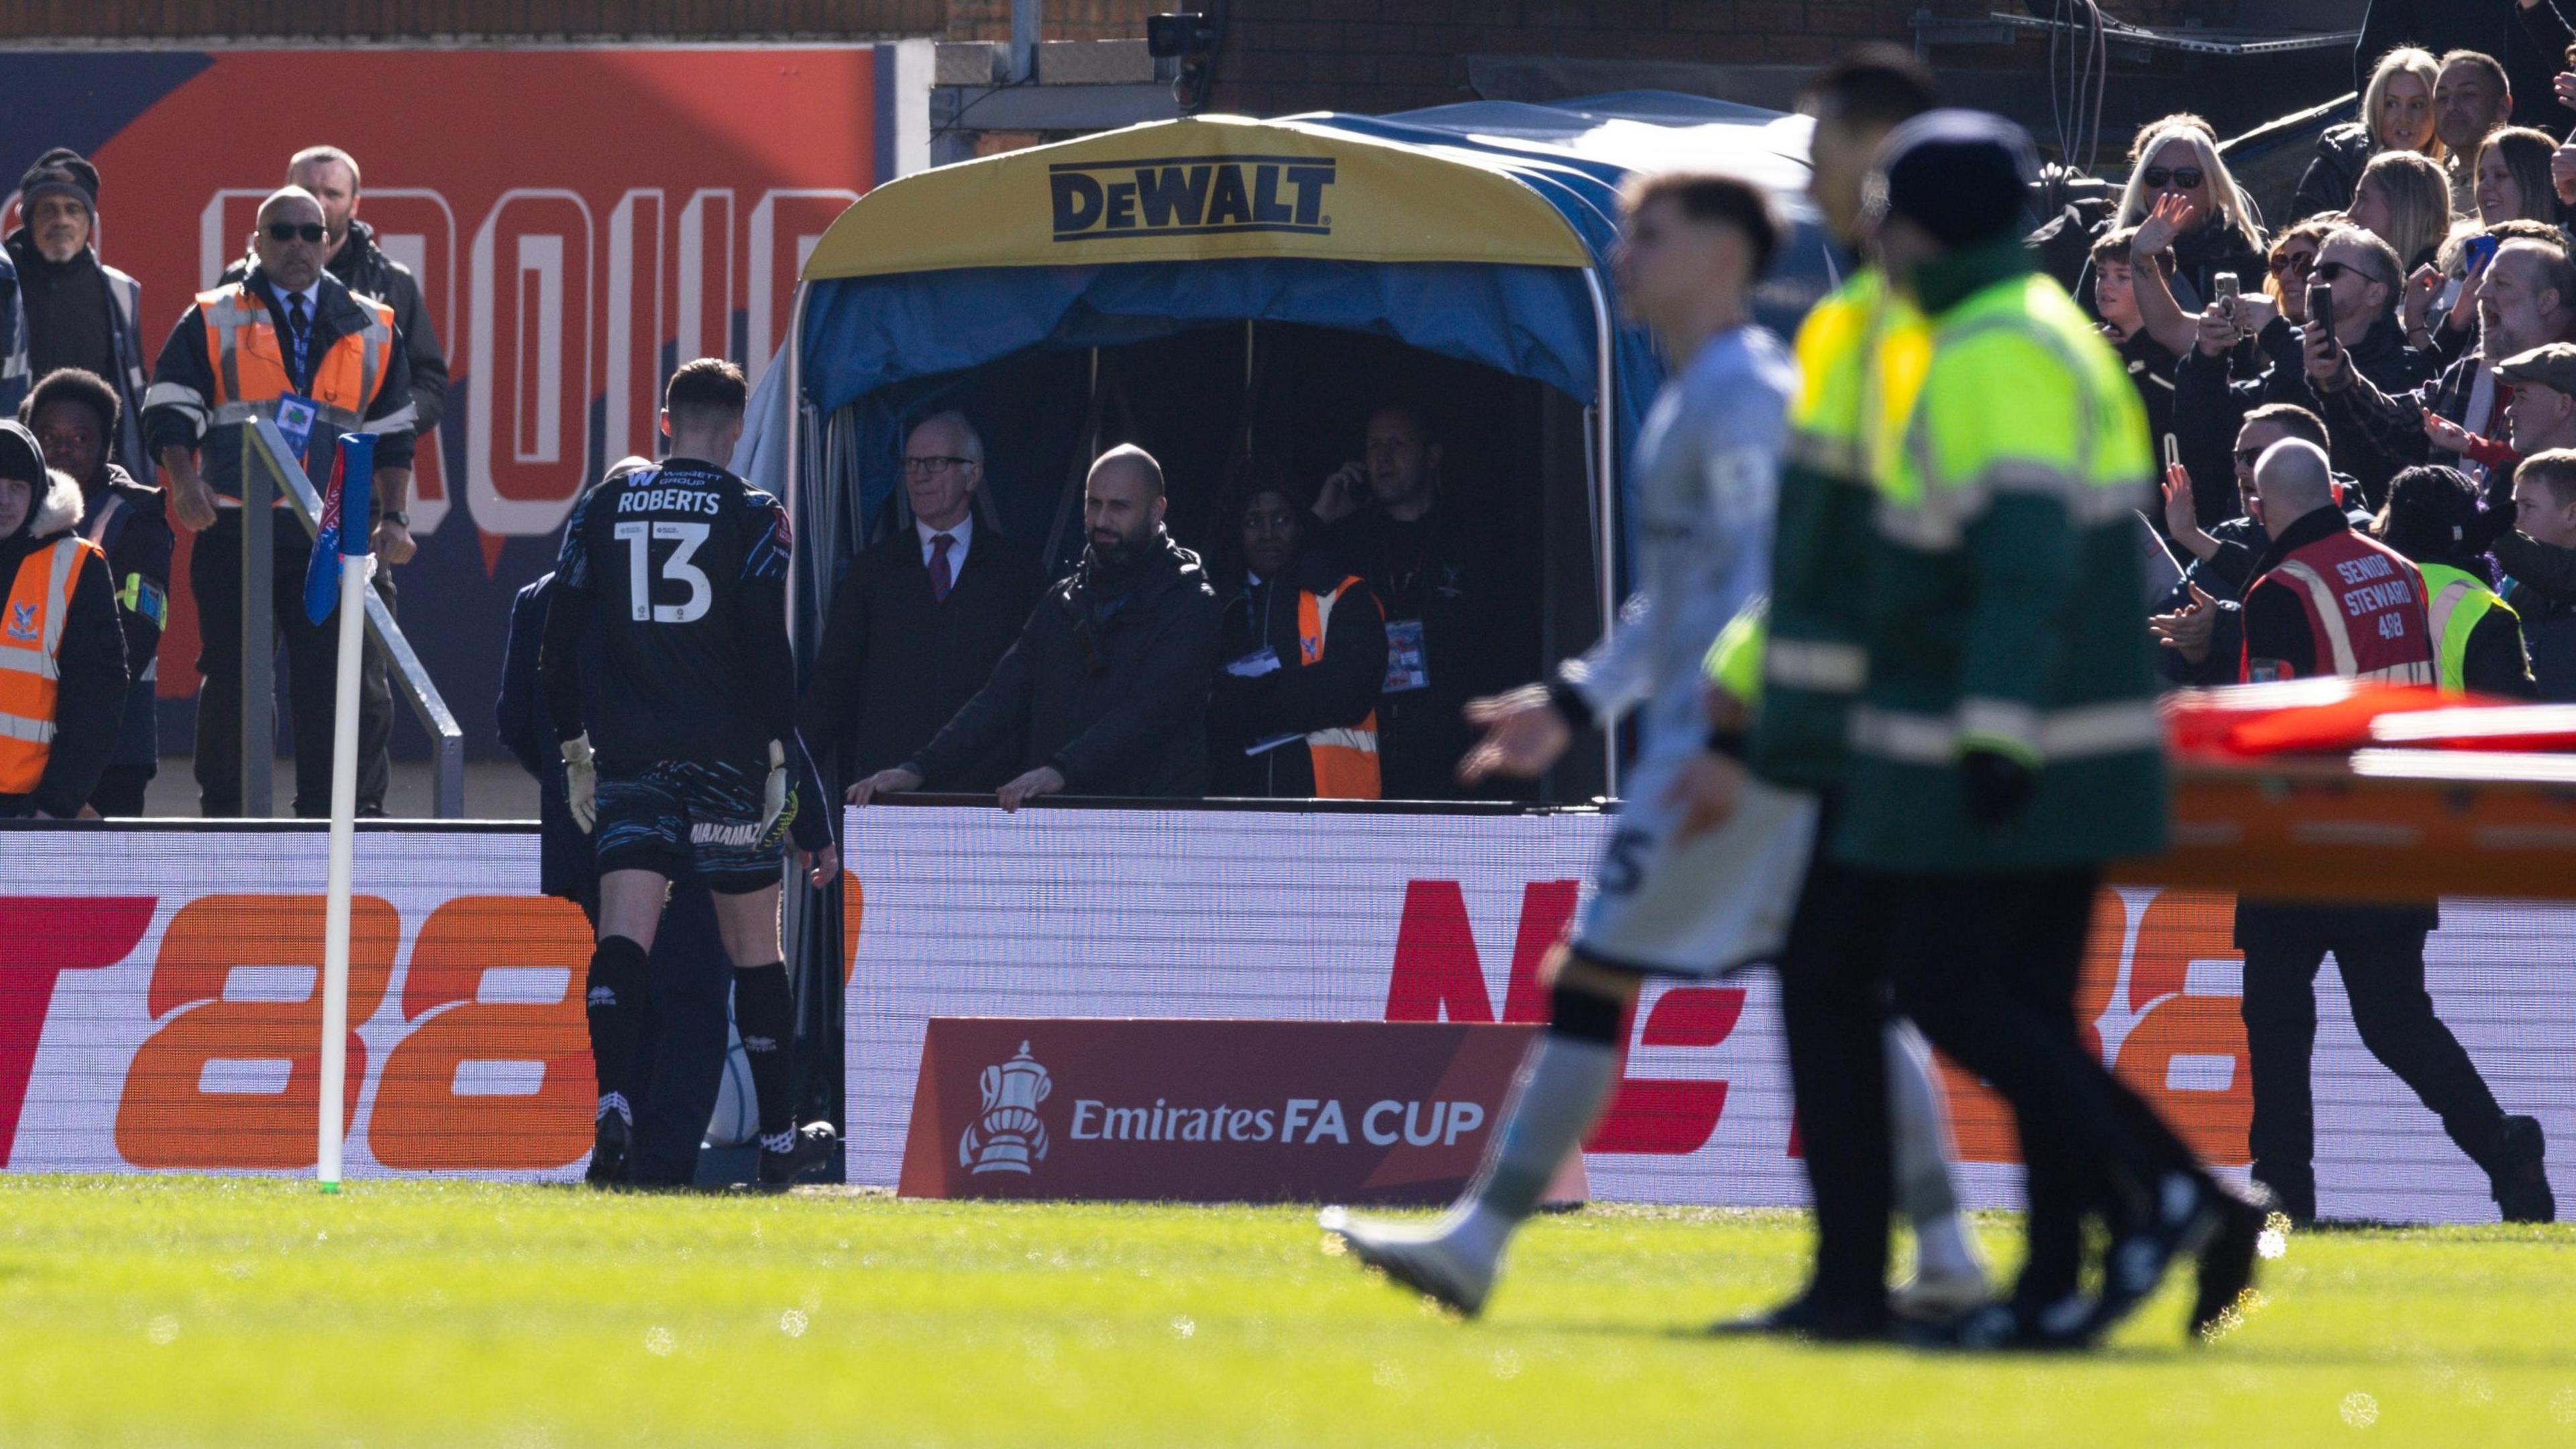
x: 941, y: 580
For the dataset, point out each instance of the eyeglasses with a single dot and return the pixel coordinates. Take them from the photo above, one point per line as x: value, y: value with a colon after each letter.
x: 932, y: 467
x: 2186, y: 177
x: 2246, y: 458
x: 2295, y: 263
x: 287, y: 231
x: 2337, y: 271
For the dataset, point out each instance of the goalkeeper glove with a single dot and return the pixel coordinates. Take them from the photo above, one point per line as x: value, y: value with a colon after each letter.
x: 581, y: 781
x: 773, y: 796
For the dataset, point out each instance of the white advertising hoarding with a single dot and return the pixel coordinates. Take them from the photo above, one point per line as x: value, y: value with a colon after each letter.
x: 158, y: 1001
x: 1345, y: 916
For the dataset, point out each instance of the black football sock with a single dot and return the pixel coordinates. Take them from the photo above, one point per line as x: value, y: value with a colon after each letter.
x: 764, y: 1012
x: 614, y: 1004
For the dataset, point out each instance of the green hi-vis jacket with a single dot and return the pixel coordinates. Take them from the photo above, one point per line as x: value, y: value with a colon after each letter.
x: 1999, y: 591
x: 1861, y: 355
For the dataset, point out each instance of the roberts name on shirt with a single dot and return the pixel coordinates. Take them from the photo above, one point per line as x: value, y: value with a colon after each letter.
x: 667, y: 500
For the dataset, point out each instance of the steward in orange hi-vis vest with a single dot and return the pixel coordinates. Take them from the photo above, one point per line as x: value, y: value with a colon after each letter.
x: 1294, y: 709
x: 318, y: 362
x: 62, y: 651
x: 234, y: 358
x: 1344, y: 756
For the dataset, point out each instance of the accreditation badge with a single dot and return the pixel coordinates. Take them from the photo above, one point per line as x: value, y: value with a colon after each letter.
x: 295, y: 418
x: 1407, y: 665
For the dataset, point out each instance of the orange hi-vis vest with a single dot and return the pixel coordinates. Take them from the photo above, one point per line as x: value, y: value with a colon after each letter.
x: 249, y: 363
x: 31, y: 633
x: 1344, y: 760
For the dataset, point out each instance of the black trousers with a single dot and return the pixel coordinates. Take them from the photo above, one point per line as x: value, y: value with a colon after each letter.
x: 1987, y: 967
x: 312, y: 663
x: 2381, y: 956
x: 121, y: 789
x: 1833, y: 1011
x: 680, y: 1045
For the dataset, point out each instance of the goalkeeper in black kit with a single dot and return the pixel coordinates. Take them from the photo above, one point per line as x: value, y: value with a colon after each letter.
x: 693, y: 769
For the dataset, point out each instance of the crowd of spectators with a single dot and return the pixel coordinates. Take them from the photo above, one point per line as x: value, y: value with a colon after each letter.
x: 2413, y: 316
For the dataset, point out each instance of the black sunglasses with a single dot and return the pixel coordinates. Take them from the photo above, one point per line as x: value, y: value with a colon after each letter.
x: 287, y: 231
x: 2246, y: 458
x: 2337, y: 271
x: 2186, y: 177
x: 2301, y: 263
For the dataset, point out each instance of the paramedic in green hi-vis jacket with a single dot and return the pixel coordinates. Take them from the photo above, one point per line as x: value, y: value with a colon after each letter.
x: 2004, y: 741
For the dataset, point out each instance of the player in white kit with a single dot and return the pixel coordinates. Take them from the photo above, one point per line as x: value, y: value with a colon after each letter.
x: 1704, y: 862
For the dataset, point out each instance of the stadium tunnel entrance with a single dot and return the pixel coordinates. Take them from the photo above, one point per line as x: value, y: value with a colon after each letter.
x: 1513, y: 466
x: 1204, y: 286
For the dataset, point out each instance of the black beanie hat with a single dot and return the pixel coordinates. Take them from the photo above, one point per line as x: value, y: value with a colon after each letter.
x: 2429, y: 512
x: 61, y: 171
x: 1964, y: 176
x: 20, y: 457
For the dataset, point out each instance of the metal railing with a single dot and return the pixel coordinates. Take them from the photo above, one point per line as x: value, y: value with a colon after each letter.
x: 269, y: 468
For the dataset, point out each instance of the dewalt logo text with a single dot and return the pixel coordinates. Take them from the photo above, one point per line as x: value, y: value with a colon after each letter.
x: 1190, y: 196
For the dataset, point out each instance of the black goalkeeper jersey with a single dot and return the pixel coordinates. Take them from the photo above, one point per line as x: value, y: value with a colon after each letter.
x: 683, y: 570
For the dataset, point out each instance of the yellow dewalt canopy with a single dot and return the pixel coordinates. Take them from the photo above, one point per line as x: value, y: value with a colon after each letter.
x: 1208, y: 187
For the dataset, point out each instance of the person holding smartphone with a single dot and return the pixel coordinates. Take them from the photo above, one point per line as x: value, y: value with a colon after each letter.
x: 2526, y: 299
x: 2350, y: 306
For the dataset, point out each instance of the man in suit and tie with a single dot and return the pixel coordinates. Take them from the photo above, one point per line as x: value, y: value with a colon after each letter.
x: 289, y: 344
x: 917, y: 625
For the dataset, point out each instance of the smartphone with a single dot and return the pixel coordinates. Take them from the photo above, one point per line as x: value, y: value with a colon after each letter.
x: 2223, y: 288
x: 2321, y: 311
x: 2173, y: 452
x: 2481, y: 250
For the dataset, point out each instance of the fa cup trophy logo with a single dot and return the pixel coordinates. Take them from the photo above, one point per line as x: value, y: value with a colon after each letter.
x: 1008, y: 1137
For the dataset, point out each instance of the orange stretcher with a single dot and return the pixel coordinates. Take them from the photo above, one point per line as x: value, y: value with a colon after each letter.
x: 2325, y: 789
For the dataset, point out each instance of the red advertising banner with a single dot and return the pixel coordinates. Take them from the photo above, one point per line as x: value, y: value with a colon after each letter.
x: 580, y: 220
x: 1206, y: 1111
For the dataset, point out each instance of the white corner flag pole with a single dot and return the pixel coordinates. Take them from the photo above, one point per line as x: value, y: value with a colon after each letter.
x: 343, y: 849
x: 355, y: 570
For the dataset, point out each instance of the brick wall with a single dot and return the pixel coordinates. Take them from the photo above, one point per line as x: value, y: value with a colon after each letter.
x: 693, y: 19
x: 1065, y: 19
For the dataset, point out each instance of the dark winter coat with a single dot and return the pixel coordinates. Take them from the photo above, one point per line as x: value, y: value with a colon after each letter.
x: 2210, y: 404
x: 2541, y: 587
x: 1108, y: 683
x: 119, y: 329
x: 131, y: 522
x: 1437, y: 571
x: 2328, y: 185
x: 894, y: 664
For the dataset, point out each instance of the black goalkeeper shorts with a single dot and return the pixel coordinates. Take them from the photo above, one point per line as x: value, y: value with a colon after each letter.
x: 689, y: 821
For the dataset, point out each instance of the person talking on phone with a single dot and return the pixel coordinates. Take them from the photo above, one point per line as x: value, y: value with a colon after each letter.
x: 1388, y: 518
x: 2526, y: 299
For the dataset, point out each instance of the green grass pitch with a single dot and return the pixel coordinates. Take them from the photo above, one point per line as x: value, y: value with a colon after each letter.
x: 191, y: 1311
